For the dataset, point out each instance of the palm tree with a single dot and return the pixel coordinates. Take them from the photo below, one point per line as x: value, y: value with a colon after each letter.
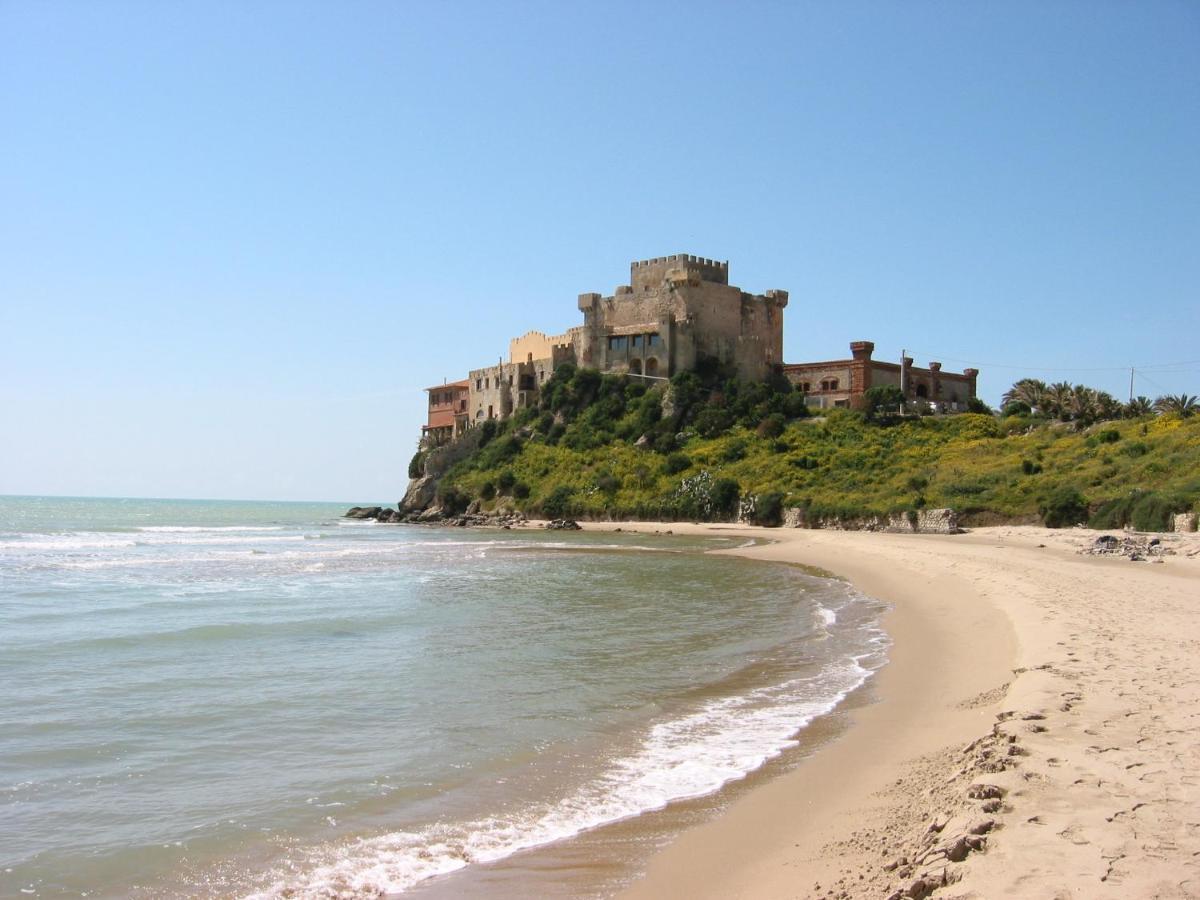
x: 1057, y: 401
x: 1108, y: 407
x: 1138, y: 407
x: 1029, y: 391
x: 1180, y: 404
x: 1082, y: 405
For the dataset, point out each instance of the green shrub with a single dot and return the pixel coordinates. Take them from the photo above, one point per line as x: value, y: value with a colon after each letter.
x: 416, y: 465
x: 882, y: 400
x: 665, y: 442
x: 1114, y: 513
x: 725, y: 494
x: 1029, y: 467
x: 917, y: 483
x: 713, y: 422
x: 506, y: 480
x: 1016, y: 408
x: 558, y: 504
x: 734, y: 451
x: 498, y: 452
x: 1154, y: 512
x: 608, y: 483
x: 771, y: 426
x: 452, y: 500
x: 1107, y: 436
x: 676, y: 463
x: 1063, y: 508
x: 520, y: 490
x: 768, y: 509
x: 487, y: 431
x: 1134, y: 449
x: 487, y: 490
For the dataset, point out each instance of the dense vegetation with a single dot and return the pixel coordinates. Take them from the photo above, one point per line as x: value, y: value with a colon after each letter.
x: 707, y: 444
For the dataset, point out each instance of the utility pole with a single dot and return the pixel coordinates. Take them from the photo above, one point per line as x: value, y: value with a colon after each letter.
x: 1131, y: 384
x: 903, y: 353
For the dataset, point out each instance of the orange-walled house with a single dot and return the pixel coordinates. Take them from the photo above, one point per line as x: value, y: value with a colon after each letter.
x: 448, y: 411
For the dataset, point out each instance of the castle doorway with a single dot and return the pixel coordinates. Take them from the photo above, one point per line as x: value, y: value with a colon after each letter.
x: 652, y: 366
x: 922, y: 391
x: 635, y: 367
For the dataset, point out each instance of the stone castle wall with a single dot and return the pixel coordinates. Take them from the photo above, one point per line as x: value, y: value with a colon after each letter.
x: 675, y: 310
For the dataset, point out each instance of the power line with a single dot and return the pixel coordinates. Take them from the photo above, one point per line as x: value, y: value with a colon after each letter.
x: 1165, y: 390
x: 1152, y: 366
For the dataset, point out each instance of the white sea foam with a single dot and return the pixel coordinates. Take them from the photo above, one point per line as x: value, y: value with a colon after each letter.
x: 827, y: 616
x: 68, y: 542
x: 690, y: 756
x: 188, y: 529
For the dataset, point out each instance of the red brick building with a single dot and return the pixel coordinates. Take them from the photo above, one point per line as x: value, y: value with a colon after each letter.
x: 448, y: 411
x: 842, y: 382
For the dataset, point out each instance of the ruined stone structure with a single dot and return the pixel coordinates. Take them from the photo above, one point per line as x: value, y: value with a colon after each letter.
x: 842, y: 382
x: 496, y: 391
x: 675, y: 310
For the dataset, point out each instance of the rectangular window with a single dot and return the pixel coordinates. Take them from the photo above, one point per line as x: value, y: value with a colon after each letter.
x: 636, y: 341
x: 618, y: 343
x: 479, y: 384
x: 652, y: 339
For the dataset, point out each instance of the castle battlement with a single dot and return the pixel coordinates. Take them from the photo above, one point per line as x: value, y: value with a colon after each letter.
x: 646, y: 273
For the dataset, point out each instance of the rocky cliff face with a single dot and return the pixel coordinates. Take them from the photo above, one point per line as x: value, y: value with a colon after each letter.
x: 420, y: 499
x: 926, y: 521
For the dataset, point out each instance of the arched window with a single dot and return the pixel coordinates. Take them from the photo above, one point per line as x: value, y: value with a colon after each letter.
x: 922, y: 391
x: 652, y: 366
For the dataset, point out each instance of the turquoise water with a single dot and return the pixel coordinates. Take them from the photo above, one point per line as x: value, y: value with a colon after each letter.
x: 263, y: 699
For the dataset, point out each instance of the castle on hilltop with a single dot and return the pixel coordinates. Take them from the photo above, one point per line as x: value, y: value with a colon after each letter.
x: 675, y: 311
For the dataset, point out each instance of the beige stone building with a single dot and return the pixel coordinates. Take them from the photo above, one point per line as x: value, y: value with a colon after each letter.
x: 496, y: 391
x: 675, y: 310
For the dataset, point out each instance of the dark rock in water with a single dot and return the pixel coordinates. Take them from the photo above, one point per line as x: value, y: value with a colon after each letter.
x: 563, y: 525
x: 378, y: 513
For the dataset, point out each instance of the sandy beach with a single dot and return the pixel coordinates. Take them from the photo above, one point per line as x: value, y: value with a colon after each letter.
x: 1035, y: 731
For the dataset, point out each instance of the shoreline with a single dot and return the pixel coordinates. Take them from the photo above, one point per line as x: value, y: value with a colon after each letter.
x: 996, y: 677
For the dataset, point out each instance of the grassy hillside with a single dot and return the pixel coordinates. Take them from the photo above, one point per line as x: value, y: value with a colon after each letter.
x: 603, y: 447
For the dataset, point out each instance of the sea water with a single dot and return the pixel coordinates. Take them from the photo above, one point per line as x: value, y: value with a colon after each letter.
x: 205, y: 698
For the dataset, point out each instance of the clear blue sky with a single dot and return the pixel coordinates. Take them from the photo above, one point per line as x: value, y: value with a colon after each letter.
x: 237, y: 239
